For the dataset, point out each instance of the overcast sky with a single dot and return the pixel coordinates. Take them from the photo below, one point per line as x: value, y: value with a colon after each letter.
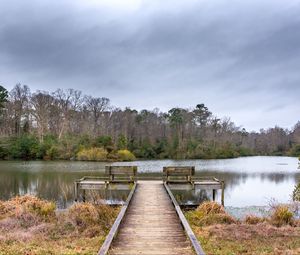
x: 240, y: 58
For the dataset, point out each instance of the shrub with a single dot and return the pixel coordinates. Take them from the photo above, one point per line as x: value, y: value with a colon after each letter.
x: 210, y: 208
x: 24, y: 147
x: 281, y: 216
x: 209, y: 213
x: 52, y: 153
x: 122, y: 142
x: 125, y: 155
x: 104, y: 141
x: 296, y: 193
x: 34, y: 205
x: 106, y: 215
x: 84, y: 215
x: 3, y: 152
x: 2, y: 209
x: 28, y: 210
x: 93, y: 154
x: 253, y: 220
x: 295, y: 150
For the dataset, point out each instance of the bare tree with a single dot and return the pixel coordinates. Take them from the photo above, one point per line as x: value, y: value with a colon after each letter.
x: 19, y: 97
x: 67, y: 102
x: 41, y: 103
x: 96, y: 106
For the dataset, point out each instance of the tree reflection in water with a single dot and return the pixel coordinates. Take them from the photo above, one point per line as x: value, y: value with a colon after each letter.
x: 55, y: 180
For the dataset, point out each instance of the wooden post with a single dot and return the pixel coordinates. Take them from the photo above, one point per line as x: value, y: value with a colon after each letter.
x: 189, y: 178
x: 105, y: 194
x: 214, y: 194
x: 83, y: 195
x: 76, y: 191
x: 222, y: 195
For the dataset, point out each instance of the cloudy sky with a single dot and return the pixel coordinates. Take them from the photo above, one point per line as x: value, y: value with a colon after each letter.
x: 240, y: 58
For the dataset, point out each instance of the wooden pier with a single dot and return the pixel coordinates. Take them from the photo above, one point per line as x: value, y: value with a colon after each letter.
x: 151, y: 225
x: 151, y: 220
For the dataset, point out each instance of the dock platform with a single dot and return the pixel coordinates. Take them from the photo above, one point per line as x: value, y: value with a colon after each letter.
x: 151, y: 225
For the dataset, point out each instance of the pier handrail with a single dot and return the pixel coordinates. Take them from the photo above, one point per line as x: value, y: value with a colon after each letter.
x: 114, y: 229
x: 193, y: 239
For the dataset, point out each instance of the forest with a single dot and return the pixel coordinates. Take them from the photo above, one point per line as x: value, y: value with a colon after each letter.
x: 66, y: 124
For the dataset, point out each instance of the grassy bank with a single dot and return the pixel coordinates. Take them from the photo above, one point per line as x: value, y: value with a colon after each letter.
x: 219, y: 233
x: 29, y: 225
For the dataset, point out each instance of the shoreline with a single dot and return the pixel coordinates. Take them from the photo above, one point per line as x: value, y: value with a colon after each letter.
x: 140, y: 159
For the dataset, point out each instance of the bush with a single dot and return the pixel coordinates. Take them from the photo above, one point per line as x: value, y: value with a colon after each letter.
x: 104, y: 141
x: 122, y: 142
x: 2, y: 209
x: 84, y: 215
x: 281, y: 216
x: 125, y: 155
x: 3, y: 152
x: 93, y: 154
x: 49, y: 142
x: 35, y: 205
x: 296, y: 193
x: 210, y: 208
x: 52, y: 153
x: 253, y: 220
x: 295, y: 150
x: 24, y: 147
x: 29, y: 210
x: 209, y: 213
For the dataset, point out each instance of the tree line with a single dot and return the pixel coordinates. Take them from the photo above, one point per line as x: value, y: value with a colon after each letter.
x: 60, y: 124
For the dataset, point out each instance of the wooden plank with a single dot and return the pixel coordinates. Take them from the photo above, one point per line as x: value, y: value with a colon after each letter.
x: 189, y: 186
x: 113, y: 231
x: 179, y: 170
x: 151, y: 225
x: 196, y: 245
x: 223, y: 191
x: 92, y: 186
x: 208, y: 186
x: 121, y: 170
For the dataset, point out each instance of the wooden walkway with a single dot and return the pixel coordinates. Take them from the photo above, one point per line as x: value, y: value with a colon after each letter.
x: 151, y: 224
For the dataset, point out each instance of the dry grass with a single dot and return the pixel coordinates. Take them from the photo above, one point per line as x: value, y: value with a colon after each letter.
x: 282, y: 216
x: 296, y: 192
x: 253, y: 220
x: 254, y: 235
x: 32, y: 226
x: 261, y: 238
x: 209, y: 213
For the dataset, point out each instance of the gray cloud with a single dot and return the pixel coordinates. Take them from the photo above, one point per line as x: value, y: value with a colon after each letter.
x: 240, y: 58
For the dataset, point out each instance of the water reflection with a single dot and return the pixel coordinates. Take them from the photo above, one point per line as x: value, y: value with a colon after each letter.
x: 191, y: 197
x: 249, y: 181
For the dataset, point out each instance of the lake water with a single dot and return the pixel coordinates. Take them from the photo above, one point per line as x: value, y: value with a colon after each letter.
x: 250, y: 181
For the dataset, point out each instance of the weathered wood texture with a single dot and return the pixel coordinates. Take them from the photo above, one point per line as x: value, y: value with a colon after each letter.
x: 175, y: 174
x: 117, y: 173
x: 193, y: 239
x: 151, y: 225
x: 114, y: 229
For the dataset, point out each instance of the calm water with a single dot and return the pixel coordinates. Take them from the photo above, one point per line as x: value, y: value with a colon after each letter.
x: 250, y: 181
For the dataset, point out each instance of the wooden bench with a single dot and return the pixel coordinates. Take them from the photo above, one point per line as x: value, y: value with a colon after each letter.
x: 178, y: 174
x: 115, y: 175
x: 182, y: 178
x: 121, y: 173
